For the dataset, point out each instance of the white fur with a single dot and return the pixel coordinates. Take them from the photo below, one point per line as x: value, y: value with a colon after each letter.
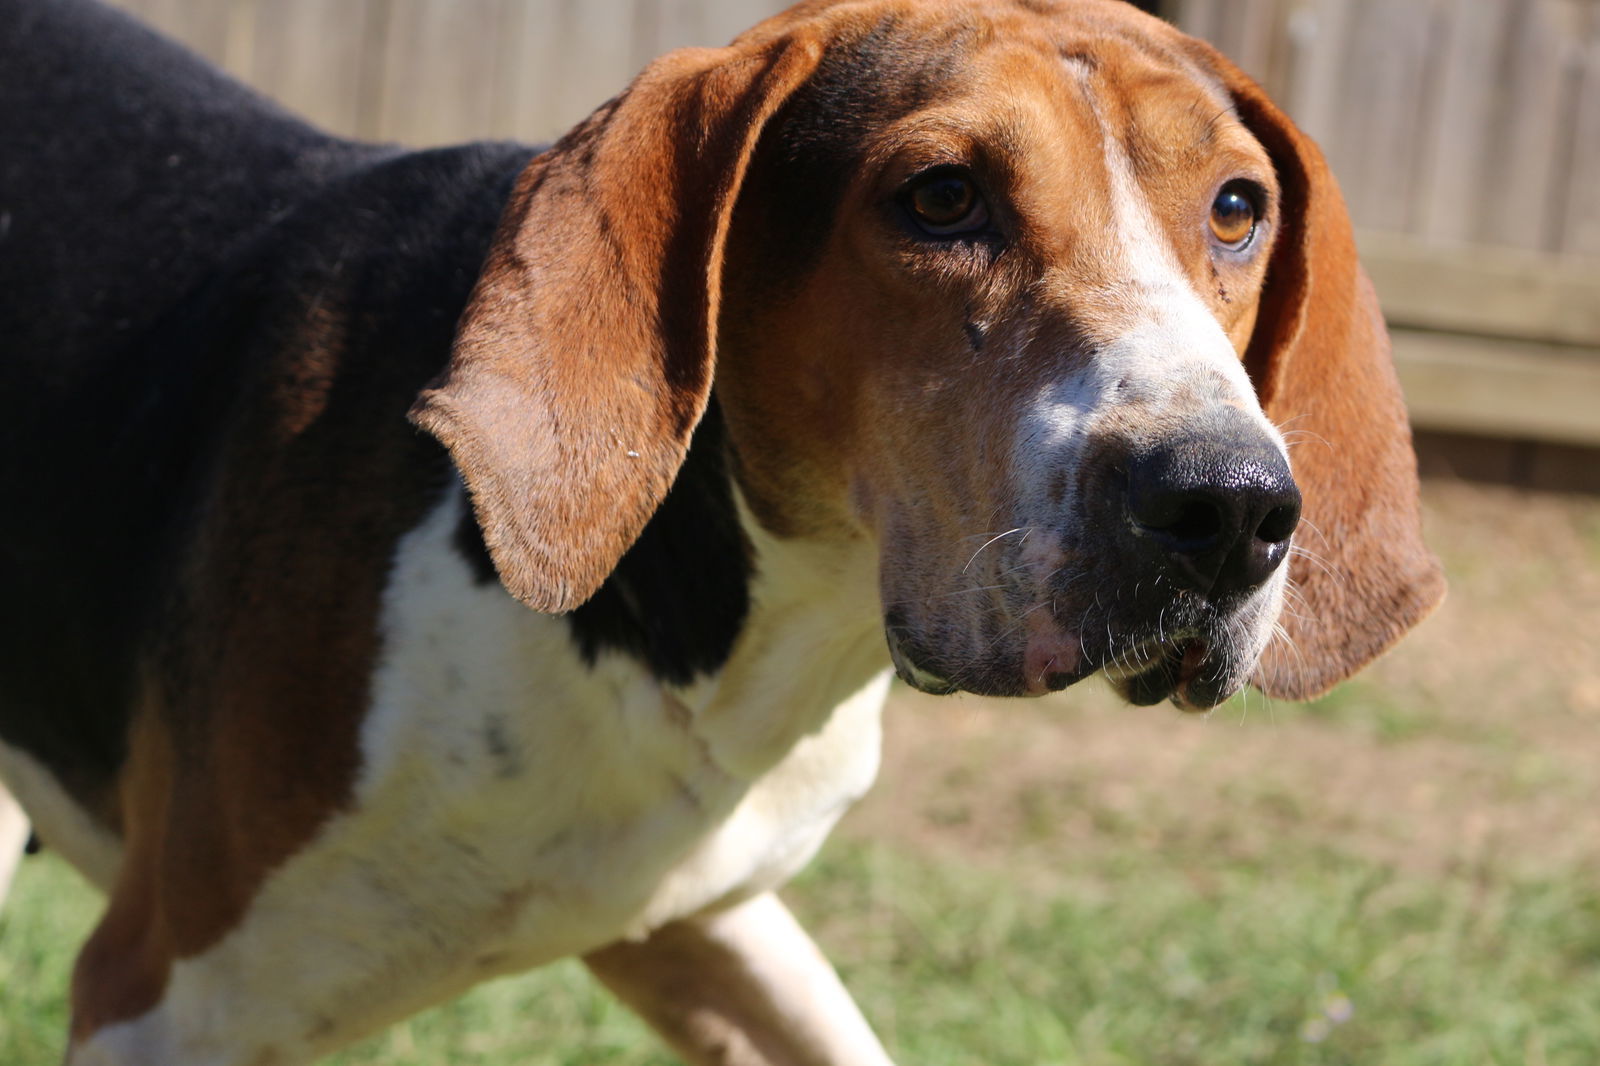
x: 1159, y: 362
x: 13, y: 838
x: 1169, y: 361
x: 1171, y: 358
x: 60, y: 822
x: 516, y: 806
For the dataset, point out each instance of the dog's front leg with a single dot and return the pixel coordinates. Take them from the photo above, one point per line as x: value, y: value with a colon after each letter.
x: 13, y: 838
x: 741, y: 987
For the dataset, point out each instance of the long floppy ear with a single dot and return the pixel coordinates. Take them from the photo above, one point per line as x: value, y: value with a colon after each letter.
x: 1361, y: 575
x: 584, y: 359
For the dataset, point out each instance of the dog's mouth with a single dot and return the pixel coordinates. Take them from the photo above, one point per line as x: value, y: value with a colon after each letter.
x: 907, y: 668
x: 1191, y: 671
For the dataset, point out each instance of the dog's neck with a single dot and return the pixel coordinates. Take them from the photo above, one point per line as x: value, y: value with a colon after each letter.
x: 812, y: 641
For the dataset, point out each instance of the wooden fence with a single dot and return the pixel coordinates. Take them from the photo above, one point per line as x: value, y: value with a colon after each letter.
x: 438, y: 71
x: 1466, y: 134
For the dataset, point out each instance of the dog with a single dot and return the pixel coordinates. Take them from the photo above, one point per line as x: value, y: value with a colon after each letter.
x: 424, y: 565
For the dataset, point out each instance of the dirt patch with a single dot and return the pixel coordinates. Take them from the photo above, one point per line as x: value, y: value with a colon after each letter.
x: 1476, y: 742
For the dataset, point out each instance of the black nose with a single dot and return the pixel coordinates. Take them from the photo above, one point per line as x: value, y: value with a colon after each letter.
x: 1219, y: 510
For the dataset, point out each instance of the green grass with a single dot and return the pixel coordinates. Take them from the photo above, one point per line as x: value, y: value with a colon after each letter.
x: 1306, y: 959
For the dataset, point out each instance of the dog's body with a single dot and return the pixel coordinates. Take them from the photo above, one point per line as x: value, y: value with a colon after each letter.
x: 260, y: 676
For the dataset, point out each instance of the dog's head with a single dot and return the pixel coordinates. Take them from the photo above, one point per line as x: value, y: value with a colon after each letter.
x: 1044, y: 300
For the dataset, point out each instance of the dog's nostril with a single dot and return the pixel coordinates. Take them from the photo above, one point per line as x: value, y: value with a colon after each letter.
x: 1185, y: 520
x: 1279, y: 523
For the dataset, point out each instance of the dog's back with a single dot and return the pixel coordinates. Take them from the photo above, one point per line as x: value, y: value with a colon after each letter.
x: 167, y: 241
x: 131, y: 169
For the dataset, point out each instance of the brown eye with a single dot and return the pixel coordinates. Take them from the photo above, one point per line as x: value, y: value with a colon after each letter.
x: 1234, y: 214
x: 946, y: 202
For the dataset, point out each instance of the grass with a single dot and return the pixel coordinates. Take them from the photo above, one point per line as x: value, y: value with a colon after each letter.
x: 1310, y: 959
x: 1404, y: 874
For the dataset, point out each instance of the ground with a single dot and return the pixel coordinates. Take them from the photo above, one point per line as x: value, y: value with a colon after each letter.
x: 1402, y: 873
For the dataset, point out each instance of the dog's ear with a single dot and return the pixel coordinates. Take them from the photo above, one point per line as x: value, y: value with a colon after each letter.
x: 584, y: 358
x: 1319, y: 355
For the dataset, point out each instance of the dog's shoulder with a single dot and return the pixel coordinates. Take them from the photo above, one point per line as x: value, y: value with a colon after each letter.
x: 264, y: 388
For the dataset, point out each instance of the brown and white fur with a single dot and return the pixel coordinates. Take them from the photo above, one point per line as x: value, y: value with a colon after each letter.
x: 345, y: 721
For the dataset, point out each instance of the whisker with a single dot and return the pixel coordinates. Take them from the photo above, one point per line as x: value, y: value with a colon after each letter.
x: 991, y: 540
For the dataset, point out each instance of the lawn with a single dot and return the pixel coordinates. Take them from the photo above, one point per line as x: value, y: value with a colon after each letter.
x: 1402, y: 873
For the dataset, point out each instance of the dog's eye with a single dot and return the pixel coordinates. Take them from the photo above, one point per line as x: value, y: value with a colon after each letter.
x: 945, y: 202
x: 1234, y: 214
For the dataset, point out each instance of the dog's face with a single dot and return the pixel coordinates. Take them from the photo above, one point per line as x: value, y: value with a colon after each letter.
x: 1013, y: 294
x: 1011, y: 353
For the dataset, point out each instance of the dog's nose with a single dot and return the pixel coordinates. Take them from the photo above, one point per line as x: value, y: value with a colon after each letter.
x: 1220, y: 511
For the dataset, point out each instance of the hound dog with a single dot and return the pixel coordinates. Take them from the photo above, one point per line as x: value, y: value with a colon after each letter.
x: 424, y: 565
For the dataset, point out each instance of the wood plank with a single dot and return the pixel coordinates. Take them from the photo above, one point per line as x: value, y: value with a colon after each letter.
x: 1521, y: 176
x: 438, y: 70
x: 1580, y: 224
x: 202, y: 27
x: 1499, y: 388
x: 1198, y: 17
x: 528, y: 102
x: 1319, y: 39
x: 675, y: 24
x: 312, y: 56
x: 1456, y: 144
x: 1245, y: 32
x: 597, y: 56
x: 1494, y: 291
x: 726, y: 19
x: 1383, y: 93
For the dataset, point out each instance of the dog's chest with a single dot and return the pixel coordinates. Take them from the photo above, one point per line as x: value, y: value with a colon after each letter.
x: 517, y: 805
x: 587, y: 793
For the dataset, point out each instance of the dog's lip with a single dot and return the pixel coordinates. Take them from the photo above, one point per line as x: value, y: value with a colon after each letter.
x: 1168, y: 670
x: 1054, y: 674
x: 907, y: 669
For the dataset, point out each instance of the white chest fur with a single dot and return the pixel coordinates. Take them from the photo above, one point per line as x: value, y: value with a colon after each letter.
x: 516, y: 805
x: 594, y: 794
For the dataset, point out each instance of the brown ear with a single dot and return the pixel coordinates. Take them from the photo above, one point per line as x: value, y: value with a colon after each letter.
x: 1361, y: 575
x: 584, y: 359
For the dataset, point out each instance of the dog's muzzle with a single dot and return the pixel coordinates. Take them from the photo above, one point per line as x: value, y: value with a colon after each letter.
x: 1165, y: 588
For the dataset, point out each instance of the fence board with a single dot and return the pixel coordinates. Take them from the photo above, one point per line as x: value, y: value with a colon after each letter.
x: 597, y: 55
x: 1246, y: 31
x: 439, y: 59
x: 1381, y: 122
x: 203, y: 27
x: 1492, y: 291
x: 1581, y: 215
x: 1499, y: 387
x: 1456, y: 140
x: 1521, y: 174
x: 1319, y: 41
x: 314, y: 58
x: 726, y: 19
x: 677, y: 24
x: 528, y: 105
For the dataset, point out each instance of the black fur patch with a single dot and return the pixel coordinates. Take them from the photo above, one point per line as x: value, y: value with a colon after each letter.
x: 678, y: 598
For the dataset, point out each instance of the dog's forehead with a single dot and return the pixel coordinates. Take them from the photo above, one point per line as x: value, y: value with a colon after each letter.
x: 981, y: 63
